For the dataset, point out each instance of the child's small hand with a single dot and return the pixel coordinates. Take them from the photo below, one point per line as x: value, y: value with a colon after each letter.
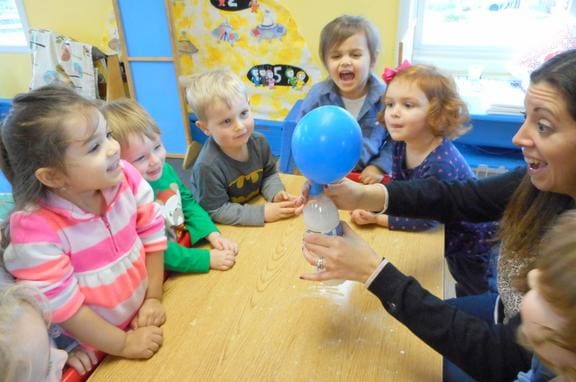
x: 371, y: 174
x: 142, y: 342
x: 82, y: 360
x: 150, y: 313
x: 220, y: 242
x: 363, y: 217
x: 280, y: 210
x: 222, y: 260
x: 283, y: 196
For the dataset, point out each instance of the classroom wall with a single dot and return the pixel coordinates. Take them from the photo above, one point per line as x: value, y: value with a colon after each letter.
x: 84, y: 21
x: 88, y: 21
x: 311, y: 16
x: 15, y: 69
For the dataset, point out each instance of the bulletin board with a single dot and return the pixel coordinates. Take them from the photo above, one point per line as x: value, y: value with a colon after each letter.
x: 257, y: 39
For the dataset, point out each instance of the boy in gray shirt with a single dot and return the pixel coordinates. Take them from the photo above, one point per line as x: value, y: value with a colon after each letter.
x: 235, y: 163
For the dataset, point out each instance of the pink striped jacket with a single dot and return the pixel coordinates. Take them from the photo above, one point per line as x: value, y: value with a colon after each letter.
x: 77, y: 258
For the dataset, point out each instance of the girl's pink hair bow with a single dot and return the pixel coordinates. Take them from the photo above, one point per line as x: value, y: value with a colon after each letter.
x: 390, y: 73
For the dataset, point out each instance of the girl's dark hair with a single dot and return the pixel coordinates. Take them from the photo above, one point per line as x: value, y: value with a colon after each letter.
x: 343, y: 27
x: 560, y: 72
x: 531, y: 211
x: 33, y: 137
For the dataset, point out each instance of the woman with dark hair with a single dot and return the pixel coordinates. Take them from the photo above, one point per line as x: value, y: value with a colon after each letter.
x: 526, y: 201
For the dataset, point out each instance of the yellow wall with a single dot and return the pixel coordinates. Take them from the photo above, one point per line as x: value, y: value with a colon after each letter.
x: 312, y: 15
x: 15, y: 69
x: 87, y: 20
x: 83, y: 20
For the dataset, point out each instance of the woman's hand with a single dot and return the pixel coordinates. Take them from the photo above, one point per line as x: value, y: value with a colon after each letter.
x: 350, y: 195
x: 345, y: 193
x: 346, y: 257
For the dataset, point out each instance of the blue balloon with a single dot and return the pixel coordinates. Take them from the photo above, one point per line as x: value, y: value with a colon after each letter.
x: 326, y: 144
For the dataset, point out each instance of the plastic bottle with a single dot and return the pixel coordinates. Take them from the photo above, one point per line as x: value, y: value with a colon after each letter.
x: 321, y: 216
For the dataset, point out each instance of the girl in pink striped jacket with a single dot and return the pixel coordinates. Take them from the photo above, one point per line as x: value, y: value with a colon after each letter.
x: 85, y: 230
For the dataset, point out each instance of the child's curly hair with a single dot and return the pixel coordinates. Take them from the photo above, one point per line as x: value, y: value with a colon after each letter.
x: 448, y: 114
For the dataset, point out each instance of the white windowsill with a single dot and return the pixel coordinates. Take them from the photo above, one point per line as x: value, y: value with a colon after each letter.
x: 486, y: 96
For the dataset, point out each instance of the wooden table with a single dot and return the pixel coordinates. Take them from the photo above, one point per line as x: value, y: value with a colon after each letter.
x: 260, y: 322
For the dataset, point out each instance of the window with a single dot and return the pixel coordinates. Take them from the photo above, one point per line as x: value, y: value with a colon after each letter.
x: 13, y: 28
x: 459, y: 34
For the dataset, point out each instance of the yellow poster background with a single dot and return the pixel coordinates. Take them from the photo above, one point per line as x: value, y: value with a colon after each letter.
x: 264, y: 34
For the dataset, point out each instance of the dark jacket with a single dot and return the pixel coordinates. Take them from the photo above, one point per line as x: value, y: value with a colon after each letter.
x: 486, y: 352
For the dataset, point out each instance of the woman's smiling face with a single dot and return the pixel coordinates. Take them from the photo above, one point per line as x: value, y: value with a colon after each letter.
x: 548, y: 140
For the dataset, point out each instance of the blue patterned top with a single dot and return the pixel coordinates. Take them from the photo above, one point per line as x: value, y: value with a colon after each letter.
x: 443, y: 163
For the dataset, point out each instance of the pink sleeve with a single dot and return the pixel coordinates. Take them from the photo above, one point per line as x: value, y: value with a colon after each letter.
x: 36, y: 256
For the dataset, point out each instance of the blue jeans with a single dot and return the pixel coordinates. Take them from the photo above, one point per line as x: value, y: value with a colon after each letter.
x: 474, y: 274
x: 61, y: 340
x: 481, y: 306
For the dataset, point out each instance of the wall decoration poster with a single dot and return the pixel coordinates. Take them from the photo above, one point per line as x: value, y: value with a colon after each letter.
x: 257, y: 39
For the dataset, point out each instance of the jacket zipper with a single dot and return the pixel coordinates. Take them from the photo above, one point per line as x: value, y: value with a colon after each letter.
x: 107, y: 224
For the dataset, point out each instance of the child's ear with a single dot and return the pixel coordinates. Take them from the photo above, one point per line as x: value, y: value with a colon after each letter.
x: 50, y: 177
x: 373, y: 60
x: 202, y: 126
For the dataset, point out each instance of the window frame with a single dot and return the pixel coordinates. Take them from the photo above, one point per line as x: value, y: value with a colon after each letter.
x: 451, y: 58
x: 24, y: 21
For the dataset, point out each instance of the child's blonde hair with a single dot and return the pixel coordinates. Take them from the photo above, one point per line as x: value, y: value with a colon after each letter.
x: 341, y: 28
x: 556, y: 262
x: 557, y: 265
x: 203, y: 89
x: 126, y: 117
x: 448, y: 114
x: 12, y: 300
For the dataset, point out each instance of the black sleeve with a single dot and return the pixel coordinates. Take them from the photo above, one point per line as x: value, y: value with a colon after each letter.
x: 474, y: 200
x: 486, y: 352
